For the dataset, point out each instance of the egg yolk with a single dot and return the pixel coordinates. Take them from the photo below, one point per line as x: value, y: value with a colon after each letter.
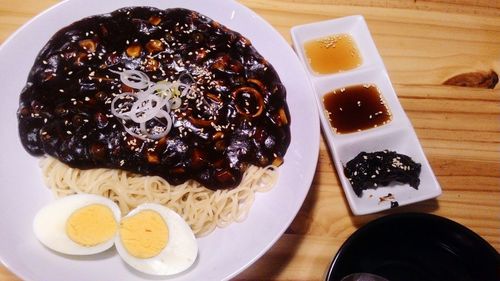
x: 144, y: 235
x: 91, y: 225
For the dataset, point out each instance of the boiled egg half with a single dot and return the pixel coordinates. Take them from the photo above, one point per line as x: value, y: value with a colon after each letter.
x: 151, y: 238
x: 156, y: 240
x: 81, y: 224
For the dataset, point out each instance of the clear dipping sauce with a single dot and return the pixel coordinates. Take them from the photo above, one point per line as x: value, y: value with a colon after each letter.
x: 356, y: 108
x: 332, y: 54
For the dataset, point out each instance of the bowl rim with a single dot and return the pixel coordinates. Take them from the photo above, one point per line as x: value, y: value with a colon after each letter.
x: 478, y: 240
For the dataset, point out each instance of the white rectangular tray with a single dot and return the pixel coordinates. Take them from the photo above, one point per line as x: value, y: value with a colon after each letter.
x: 398, y: 135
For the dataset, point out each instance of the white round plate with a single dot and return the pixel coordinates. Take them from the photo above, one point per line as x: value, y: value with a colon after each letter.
x: 225, y: 252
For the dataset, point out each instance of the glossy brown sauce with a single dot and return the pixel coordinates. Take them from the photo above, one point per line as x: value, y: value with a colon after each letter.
x: 356, y: 108
x: 237, y: 116
x: 332, y: 54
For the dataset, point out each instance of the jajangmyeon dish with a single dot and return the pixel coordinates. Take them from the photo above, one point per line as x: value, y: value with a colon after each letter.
x: 149, y: 105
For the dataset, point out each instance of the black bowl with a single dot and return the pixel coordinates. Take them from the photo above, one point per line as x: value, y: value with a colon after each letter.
x: 416, y: 246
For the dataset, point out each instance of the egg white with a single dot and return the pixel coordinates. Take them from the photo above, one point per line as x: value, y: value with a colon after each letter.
x: 179, y: 253
x: 49, y: 224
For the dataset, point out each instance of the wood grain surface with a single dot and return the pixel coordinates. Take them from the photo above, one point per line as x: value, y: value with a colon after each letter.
x: 423, y: 44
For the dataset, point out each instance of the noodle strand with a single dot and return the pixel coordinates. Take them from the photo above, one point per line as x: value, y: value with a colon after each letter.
x: 202, y: 208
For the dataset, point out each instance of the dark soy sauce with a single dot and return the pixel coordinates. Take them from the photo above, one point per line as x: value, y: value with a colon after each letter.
x: 356, y: 108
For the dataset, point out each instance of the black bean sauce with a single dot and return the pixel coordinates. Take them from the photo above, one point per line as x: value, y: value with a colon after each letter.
x: 237, y: 116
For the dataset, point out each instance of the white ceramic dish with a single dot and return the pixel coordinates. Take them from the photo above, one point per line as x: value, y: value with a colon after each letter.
x: 223, y: 253
x: 397, y: 135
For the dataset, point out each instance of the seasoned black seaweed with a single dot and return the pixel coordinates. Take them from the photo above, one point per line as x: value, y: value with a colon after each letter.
x: 374, y: 169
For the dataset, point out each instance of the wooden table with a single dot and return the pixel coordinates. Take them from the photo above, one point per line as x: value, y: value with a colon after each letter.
x: 423, y: 43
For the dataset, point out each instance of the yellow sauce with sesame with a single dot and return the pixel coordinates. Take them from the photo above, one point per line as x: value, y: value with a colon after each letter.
x: 332, y: 54
x: 356, y: 108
